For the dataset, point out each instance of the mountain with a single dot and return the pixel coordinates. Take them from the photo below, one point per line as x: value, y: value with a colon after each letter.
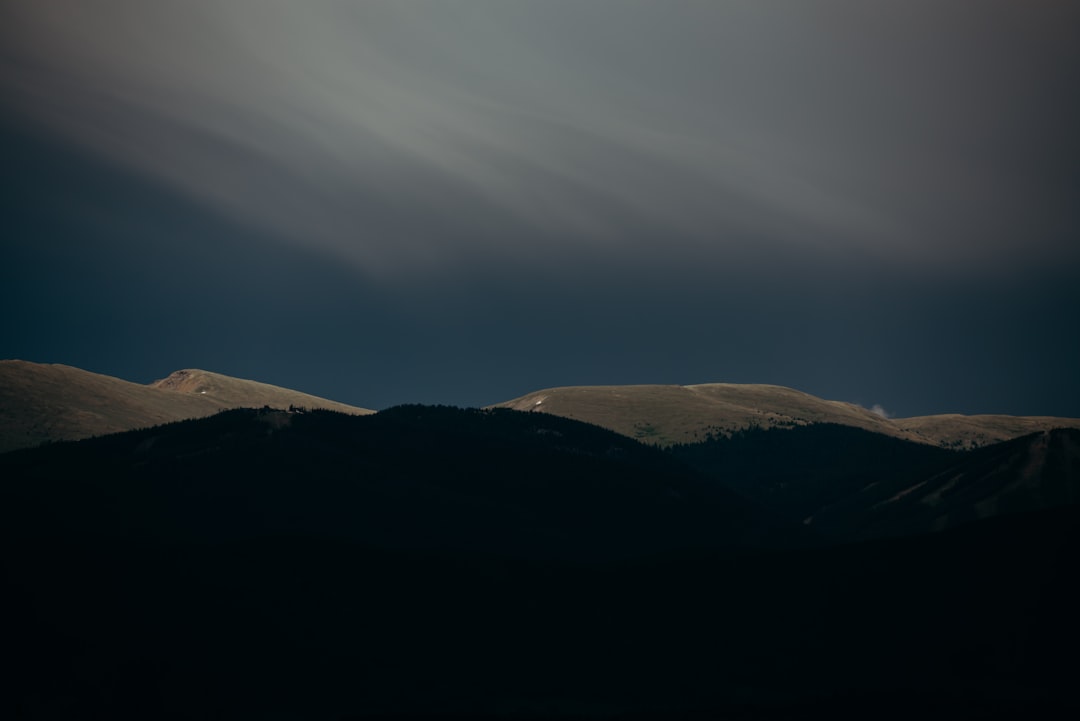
x: 953, y: 430
x: 45, y: 402
x: 667, y: 414
x: 435, y: 562
x: 432, y: 477
x: 41, y: 402
x: 799, y: 471
x: 853, y: 484
x: 1031, y: 473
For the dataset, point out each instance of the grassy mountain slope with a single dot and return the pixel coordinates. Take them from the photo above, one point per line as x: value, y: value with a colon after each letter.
x: 238, y: 393
x: 47, y: 402
x: 667, y: 414
x: 953, y: 430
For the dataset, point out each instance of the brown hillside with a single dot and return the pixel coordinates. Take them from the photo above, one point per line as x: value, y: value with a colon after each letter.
x: 958, y: 431
x: 50, y: 402
x: 236, y: 392
x: 684, y: 414
x: 667, y: 414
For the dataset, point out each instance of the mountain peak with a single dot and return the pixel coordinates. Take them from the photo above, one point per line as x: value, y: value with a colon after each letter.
x: 42, y: 402
x: 189, y: 380
x: 672, y: 414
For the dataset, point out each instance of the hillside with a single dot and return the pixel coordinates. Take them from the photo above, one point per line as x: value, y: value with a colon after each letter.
x: 436, y: 562
x: 799, y: 471
x: 849, y: 483
x: 953, y: 430
x: 1031, y: 473
x: 669, y: 414
x: 238, y: 393
x: 49, y: 402
x: 665, y: 414
x: 413, y: 475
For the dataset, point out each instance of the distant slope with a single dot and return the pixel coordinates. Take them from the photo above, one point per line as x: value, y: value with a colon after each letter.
x: 953, y: 430
x: 668, y: 414
x: 238, y: 393
x: 1032, y: 473
x: 799, y: 471
x: 48, y: 402
x: 849, y: 483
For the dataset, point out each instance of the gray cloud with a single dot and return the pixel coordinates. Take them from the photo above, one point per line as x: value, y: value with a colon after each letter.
x: 410, y: 136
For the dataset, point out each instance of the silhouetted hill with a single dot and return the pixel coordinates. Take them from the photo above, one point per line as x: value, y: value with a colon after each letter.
x: 1031, y: 473
x: 854, y: 484
x: 272, y: 565
x: 412, y: 476
x: 41, y: 402
x: 801, y: 470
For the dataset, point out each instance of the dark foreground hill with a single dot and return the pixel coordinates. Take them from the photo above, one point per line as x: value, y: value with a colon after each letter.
x: 854, y: 484
x: 436, y: 561
x: 1031, y: 473
x: 802, y: 470
x: 409, y: 477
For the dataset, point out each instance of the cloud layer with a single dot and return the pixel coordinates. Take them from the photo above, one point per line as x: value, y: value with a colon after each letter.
x: 409, y: 136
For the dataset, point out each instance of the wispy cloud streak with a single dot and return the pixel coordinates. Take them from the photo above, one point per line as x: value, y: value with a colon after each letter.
x: 412, y: 135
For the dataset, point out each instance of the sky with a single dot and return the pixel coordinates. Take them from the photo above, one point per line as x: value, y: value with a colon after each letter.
x: 461, y: 201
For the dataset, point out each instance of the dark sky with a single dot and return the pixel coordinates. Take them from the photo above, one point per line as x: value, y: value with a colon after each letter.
x: 460, y: 201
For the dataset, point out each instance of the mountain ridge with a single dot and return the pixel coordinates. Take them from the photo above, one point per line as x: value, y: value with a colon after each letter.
x: 671, y: 414
x: 41, y: 402
x: 853, y: 484
x: 49, y: 402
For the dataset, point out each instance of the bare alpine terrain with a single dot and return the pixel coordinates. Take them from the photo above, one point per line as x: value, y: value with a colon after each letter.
x: 50, y: 402
x: 667, y: 414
